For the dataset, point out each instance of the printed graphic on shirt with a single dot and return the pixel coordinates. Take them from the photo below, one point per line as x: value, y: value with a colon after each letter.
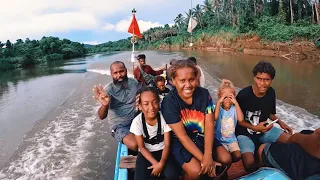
x: 227, y: 127
x: 193, y: 120
x: 211, y: 106
x: 253, y: 118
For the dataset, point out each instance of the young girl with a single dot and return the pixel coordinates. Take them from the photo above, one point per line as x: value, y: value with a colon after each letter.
x: 227, y: 113
x: 153, y: 138
x: 188, y: 110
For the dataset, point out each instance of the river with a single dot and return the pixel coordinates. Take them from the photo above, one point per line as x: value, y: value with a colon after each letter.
x: 48, y: 123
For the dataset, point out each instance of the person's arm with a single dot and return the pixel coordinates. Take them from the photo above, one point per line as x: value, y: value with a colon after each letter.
x: 103, y: 112
x: 208, y: 134
x: 239, y: 113
x: 144, y: 151
x: 166, y: 149
x: 217, y: 108
x: 188, y: 144
x: 136, y: 74
x: 281, y: 123
x: 217, y: 111
x: 153, y: 72
x: 308, y: 142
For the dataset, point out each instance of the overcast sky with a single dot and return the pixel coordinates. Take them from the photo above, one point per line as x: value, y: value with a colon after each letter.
x: 86, y: 21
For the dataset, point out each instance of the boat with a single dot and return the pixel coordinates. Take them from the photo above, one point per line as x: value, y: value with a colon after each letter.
x: 121, y: 173
x: 236, y: 171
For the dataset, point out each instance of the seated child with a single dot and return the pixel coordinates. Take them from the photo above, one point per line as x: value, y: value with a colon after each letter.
x: 227, y: 113
x: 153, y: 139
x: 160, y: 83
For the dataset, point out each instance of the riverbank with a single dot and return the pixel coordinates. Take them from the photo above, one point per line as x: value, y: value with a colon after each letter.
x: 297, y: 50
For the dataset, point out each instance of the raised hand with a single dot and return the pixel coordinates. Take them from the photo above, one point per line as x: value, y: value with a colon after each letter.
x: 100, y: 95
x: 222, y: 98
x: 233, y: 99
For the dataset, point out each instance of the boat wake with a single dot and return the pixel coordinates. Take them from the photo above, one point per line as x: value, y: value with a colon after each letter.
x: 56, y: 150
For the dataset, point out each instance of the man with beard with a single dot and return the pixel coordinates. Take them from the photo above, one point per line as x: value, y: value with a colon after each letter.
x: 118, y: 102
x: 144, y: 73
x: 258, y: 104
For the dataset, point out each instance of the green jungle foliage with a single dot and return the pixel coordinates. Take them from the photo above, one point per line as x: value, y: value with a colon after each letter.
x: 22, y: 54
x: 271, y: 19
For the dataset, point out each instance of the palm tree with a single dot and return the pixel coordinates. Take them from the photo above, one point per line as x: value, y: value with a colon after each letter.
x: 197, y: 12
x: 216, y: 4
x: 186, y: 19
x: 317, y: 7
x: 179, y: 20
x: 281, y: 11
x: 207, y: 6
x: 291, y: 11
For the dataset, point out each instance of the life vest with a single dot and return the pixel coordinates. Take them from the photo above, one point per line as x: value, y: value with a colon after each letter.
x: 156, y: 139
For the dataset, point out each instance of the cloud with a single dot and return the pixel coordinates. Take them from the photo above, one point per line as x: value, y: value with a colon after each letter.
x: 95, y: 42
x: 108, y: 27
x: 36, y: 27
x: 37, y: 18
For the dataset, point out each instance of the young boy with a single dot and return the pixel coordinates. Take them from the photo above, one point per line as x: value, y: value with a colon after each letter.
x: 160, y: 83
x: 258, y: 104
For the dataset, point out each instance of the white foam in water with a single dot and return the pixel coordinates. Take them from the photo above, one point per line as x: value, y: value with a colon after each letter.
x: 106, y: 72
x: 55, y: 151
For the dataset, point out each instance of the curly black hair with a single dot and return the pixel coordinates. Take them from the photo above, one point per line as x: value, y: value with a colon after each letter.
x: 192, y: 59
x: 153, y: 90
x: 264, y: 67
x: 179, y: 64
x: 159, y: 79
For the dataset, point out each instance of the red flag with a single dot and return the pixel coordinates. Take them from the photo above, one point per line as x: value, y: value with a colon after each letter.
x: 134, y: 27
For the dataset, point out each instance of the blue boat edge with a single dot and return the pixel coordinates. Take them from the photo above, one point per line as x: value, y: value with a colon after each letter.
x: 266, y: 173
x: 120, y: 174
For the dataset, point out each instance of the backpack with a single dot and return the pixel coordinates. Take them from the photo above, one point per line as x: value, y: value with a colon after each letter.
x: 148, y: 78
x: 156, y: 139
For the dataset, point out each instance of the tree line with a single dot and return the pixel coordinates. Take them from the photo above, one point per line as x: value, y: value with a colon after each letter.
x: 274, y: 20
x: 22, y: 54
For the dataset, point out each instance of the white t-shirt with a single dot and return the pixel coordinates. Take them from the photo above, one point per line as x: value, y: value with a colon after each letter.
x: 137, y: 129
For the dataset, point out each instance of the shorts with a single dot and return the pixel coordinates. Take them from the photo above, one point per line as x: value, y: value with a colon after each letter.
x: 292, y: 160
x: 268, y: 159
x: 181, y: 155
x: 232, y: 147
x: 119, y: 132
x: 247, y: 145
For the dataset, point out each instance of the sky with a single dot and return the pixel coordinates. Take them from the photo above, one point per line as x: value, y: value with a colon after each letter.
x: 85, y: 21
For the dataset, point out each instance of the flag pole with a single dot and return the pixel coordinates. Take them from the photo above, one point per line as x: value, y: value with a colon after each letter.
x: 133, y: 41
x: 191, y: 24
x: 135, y: 31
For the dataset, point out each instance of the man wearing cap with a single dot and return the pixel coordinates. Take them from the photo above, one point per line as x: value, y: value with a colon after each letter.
x: 143, y: 73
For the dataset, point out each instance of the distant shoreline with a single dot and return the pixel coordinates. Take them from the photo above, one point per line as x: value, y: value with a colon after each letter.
x: 299, y: 50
